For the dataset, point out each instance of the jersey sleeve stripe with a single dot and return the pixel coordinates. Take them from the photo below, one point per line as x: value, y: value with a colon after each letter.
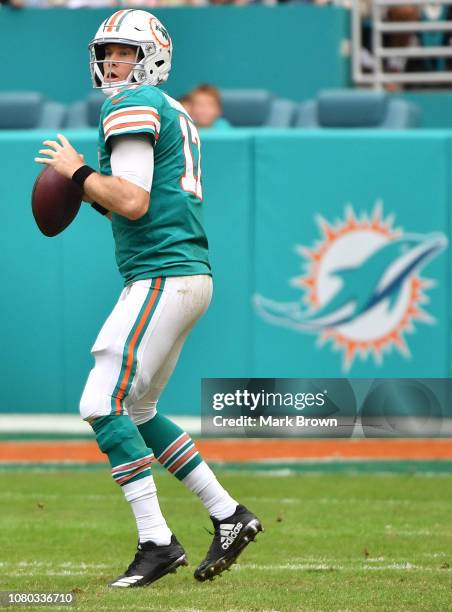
x: 132, y: 119
x: 134, y: 130
x: 122, y: 128
x: 131, y: 110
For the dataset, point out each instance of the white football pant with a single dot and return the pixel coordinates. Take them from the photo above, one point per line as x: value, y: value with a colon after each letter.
x: 138, y: 346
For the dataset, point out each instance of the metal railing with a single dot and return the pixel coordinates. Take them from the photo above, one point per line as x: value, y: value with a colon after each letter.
x: 380, y: 74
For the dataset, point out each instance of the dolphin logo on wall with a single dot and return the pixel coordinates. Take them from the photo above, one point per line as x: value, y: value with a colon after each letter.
x: 362, y: 286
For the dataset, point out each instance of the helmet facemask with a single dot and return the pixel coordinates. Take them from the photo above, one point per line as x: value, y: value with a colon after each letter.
x: 101, y: 78
x: 151, y: 65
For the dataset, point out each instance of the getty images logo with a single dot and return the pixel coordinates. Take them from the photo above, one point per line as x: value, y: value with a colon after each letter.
x: 362, y: 286
x: 243, y: 398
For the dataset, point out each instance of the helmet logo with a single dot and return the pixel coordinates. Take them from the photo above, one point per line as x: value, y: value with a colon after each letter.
x: 150, y: 48
x: 159, y: 32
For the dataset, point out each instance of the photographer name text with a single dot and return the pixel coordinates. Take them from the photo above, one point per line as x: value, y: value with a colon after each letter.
x: 271, y: 421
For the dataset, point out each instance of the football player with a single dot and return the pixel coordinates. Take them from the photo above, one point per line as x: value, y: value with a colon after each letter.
x: 149, y: 185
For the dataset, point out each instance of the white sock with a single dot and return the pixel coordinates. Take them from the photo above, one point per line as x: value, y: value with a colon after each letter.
x: 142, y: 496
x: 217, y: 500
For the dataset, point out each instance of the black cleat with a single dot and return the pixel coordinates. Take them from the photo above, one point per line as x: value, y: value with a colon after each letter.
x: 151, y: 562
x: 231, y: 536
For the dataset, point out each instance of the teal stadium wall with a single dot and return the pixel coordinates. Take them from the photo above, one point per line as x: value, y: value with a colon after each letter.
x: 249, y: 47
x: 264, y: 191
x: 436, y: 107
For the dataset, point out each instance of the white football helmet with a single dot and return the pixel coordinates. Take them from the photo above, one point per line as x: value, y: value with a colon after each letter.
x: 138, y: 29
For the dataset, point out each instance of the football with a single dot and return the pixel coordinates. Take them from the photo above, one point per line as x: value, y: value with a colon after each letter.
x: 55, y: 201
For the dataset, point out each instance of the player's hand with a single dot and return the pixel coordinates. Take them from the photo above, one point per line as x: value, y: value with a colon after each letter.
x: 61, y: 156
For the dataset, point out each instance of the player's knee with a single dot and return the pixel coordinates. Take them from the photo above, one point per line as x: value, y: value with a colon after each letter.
x: 143, y: 414
x: 86, y: 408
x: 91, y: 406
x: 95, y: 405
x: 95, y: 401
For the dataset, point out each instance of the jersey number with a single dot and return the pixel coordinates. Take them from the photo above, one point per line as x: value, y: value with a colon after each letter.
x: 191, y: 180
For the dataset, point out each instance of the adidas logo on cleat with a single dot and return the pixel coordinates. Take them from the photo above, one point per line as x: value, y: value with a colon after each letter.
x: 231, y: 537
x: 229, y: 532
x: 126, y: 581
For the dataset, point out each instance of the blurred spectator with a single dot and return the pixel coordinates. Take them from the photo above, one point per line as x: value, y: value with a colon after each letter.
x: 115, y: 4
x: 403, y: 39
x: 13, y: 3
x: 85, y: 3
x: 403, y: 64
x: 206, y: 109
x: 145, y: 4
x: 412, y: 39
x: 186, y: 102
x: 242, y: 2
x: 435, y: 12
x: 69, y: 3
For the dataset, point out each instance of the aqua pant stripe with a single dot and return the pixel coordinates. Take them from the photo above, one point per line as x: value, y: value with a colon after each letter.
x: 129, y: 358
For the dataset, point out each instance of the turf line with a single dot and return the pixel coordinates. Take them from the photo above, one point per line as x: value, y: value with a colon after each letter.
x: 276, y: 468
x: 295, y: 567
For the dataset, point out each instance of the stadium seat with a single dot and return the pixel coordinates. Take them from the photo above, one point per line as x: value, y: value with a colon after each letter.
x: 241, y: 107
x: 348, y: 108
x: 282, y: 113
x: 25, y: 110
x: 256, y: 107
x: 85, y: 114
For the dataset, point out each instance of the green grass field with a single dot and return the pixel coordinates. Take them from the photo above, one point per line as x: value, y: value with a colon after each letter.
x: 332, y: 542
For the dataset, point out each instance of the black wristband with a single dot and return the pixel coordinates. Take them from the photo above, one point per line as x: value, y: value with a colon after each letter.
x: 100, y: 209
x: 80, y: 175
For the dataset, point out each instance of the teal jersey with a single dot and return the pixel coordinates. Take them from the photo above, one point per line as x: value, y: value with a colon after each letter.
x: 169, y: 240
